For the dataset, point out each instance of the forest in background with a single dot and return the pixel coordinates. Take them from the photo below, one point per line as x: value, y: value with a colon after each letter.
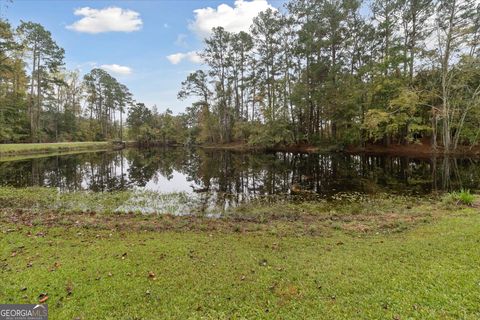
x: 315, y: 72
x: 41, y: 101
x: 324, y: 72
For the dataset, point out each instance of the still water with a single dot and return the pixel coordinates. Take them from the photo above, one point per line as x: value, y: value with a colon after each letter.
x: 241, y: 176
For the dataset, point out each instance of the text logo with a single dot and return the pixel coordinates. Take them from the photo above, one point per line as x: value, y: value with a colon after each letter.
x: 23, y: 312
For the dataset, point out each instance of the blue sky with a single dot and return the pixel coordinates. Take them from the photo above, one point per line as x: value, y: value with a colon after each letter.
x: 148, y: 45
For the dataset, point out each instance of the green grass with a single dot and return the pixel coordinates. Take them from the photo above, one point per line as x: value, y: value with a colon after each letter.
x: 36, y: 148
x: 356, y: 257
x: 21, y: 157
x: 430, y: 272
x: 460, y: 197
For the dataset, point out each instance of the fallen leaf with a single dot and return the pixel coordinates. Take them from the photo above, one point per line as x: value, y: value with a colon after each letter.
x: 42, y: 297
x: 55, y: 266
x: 152, y: 275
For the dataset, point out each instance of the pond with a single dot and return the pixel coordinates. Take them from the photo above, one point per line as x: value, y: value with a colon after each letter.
x: 239, y: 177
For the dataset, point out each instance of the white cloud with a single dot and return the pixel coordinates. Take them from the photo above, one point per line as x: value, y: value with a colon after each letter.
x: 117, y: 69
x: 236, y: 19
x: 109, y: 19
x: 191, y: 56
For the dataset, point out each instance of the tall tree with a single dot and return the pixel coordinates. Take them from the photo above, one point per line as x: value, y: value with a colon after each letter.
x: 454, y: 29
x: 45, y: 58
x: 217, y: 55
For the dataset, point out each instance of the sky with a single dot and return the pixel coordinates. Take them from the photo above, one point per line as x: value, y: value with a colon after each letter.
x: 149, y: 45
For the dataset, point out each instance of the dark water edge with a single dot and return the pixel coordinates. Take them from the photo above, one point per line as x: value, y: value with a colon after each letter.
x: 241, y: 175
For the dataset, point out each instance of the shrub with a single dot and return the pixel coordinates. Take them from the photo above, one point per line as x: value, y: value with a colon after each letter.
x: 464, y: 196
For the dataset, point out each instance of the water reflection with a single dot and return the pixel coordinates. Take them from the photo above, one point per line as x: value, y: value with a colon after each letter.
x: 230, y: 178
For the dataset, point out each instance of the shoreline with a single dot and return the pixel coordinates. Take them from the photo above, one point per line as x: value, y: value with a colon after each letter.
x: 244, y: 147
x: 27, y: 150
x: 120, y: 209
x: 8, y: 151
x: 410, y: 150
x: 413, y: 150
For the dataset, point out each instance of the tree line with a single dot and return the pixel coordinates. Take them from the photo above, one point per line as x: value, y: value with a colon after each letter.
x: 345, y: 72
x: 323, y: 71
x: 42, y: 101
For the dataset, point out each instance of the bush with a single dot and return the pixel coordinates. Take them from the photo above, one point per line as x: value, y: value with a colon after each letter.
x: 464, y: 196
x: 271, y: 134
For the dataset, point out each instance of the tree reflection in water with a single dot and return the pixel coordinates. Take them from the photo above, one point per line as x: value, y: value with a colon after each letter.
x: 228, y: 178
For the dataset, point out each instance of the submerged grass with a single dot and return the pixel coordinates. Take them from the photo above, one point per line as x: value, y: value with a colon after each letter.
x: 353, y: 257
x: 277, y: 214
x: 38, y: 199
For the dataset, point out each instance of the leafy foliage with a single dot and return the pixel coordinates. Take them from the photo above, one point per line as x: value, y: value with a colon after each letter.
x: 321, y: 72
x: 464, y: 196
x: 318, y: 72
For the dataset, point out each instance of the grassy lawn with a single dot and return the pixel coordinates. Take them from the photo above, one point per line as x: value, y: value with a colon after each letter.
x: 35, y: 148
x: 102, y: 266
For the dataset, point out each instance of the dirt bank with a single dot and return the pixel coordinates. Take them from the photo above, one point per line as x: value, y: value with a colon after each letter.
x: 416, y: 150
